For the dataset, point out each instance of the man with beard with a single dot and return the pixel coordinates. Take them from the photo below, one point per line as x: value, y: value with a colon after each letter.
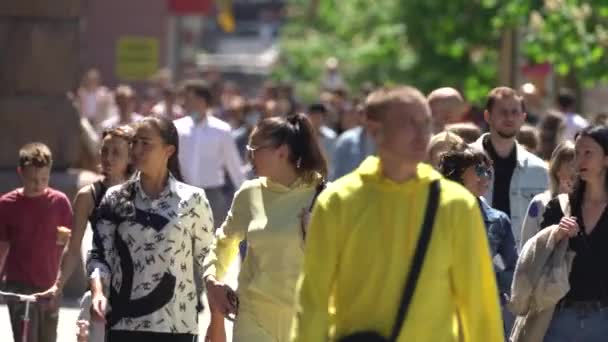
x: 518, y: 174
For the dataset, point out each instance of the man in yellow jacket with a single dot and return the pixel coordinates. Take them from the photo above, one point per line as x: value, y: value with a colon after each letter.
x: 364, y: 231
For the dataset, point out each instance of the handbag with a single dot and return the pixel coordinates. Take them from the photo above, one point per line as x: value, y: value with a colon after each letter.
x: 412, y: 278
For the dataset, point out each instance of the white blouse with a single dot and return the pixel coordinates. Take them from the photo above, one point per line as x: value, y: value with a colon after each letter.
x: 152, y: 251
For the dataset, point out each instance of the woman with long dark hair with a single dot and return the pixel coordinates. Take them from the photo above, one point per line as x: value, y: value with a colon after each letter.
x: 268, y: 213
x: 151, y: 236
x: 581, y: 314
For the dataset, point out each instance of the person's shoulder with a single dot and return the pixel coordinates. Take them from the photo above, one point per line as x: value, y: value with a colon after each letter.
x: 349, y: 137
x: 350, y: 134
x: 328, y: 132
x: 187, y: 192
x: 344, y: 189
x: 251, y: 184
x: 219, y: 124
x: 542, y: 198
x: 478, y: 144
x: 553, y: 204
x: 114, y: 190
x: 538, y: 204
x: 86, y: 195
x: 553, y: 208
x: 57, y: 195
x: 532, y: 160
x: 183, y: 123
x: 496, y: 214
x: 10, y: 197
x: 580, y: 121
x: 454, y: 195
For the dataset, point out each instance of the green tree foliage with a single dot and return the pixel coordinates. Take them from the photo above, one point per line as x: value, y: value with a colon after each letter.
x: 432, y: 43
x: 571, y: 35
x: 369, y: 40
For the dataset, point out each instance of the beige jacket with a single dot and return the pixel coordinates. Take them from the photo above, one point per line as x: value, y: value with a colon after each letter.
x: 540, y: 281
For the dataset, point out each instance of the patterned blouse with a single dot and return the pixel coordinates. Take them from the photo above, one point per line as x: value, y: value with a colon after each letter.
x: 152, y: 252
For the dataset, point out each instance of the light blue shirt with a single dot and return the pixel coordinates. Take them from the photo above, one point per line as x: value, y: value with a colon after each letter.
x: 352, y: 147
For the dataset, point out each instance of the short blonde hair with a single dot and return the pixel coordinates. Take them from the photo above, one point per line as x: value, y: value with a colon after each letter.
x: 441, y: 143
x: 381, y: 100
x: 35, y: 154
x: 468, y: 131
x: 445, y: 138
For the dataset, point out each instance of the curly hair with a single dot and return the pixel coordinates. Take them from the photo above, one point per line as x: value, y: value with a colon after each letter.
x: 454, y: 162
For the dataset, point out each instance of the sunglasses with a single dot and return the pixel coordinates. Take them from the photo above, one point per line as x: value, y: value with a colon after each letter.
x: 483, y: 171
x: 251, y: 149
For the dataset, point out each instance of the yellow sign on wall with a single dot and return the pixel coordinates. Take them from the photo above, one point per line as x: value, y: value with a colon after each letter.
x: 136, y: 58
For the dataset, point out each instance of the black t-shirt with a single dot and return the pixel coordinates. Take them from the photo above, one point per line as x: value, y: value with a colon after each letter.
x: 589, y: 275
x: 503, y: 171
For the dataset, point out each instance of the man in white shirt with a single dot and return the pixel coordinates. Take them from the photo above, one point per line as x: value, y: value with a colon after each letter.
x: 207, y: 149
x: 566, y: 101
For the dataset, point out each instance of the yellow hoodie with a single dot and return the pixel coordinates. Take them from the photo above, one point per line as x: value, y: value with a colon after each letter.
x: 362, y: 236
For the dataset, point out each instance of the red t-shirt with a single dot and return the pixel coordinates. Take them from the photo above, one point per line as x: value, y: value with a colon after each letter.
x: 29, y: 225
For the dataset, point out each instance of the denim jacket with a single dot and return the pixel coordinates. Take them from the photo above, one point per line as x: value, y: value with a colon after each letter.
x: 502, y: 243
x: 529, y: 179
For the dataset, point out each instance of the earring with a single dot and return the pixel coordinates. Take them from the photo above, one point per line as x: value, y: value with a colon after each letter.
x: 299, y: 163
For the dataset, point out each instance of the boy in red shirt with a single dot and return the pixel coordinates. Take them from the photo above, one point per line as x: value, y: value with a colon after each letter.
x: 33, y: 224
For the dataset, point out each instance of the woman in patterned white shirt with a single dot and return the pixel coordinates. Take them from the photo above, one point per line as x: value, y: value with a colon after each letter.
x: 268, y: 212
x: 151, y: 237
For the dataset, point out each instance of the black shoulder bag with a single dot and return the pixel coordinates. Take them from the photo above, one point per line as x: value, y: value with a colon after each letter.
x: 412, y: 278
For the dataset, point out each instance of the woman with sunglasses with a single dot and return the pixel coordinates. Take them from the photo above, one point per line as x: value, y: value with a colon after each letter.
x: 267, y: 212
x: 473, y: 169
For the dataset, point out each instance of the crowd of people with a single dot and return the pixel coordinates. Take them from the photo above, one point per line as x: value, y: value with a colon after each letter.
x: 388, y: 213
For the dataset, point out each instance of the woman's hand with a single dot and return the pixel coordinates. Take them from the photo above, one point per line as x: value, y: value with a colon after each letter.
x: 567, y: 228
x: 218, y: 295
x: 99, y: 304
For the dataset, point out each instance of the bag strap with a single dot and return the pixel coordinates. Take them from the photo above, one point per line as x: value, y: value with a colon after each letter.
x: 318, y: 190
x: 320, y: 187
x: 417, y: 261
x: 99, y: 190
